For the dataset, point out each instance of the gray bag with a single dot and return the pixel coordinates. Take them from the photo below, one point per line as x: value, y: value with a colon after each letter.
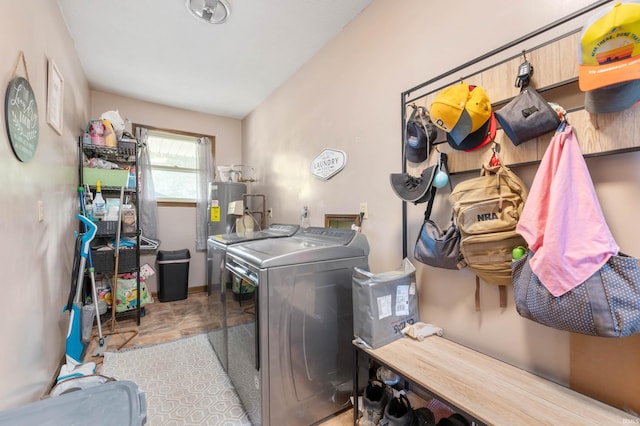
x: 383, y: 304
x: 607, y: 304
x: 437, y: 248
x: 433, y: 246
x: 527, y: 116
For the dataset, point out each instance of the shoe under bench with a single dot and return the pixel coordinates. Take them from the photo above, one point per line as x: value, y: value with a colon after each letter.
x: 484, y: 389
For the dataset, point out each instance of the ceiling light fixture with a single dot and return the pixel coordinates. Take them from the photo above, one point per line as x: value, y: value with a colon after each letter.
x: 210, y: 11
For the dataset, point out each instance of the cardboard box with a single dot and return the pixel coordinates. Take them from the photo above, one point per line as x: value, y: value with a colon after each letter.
x: 108, y: 177
x: 128, y: 218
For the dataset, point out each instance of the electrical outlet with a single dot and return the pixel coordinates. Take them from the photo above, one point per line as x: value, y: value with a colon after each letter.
x: 364, y: 209
x: 270, y: 213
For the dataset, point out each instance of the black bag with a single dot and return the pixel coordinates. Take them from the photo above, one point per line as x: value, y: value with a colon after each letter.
x: 433, y: 246
x: 527, y: 116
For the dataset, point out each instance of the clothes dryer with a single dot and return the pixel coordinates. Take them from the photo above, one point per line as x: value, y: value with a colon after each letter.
x: 220, y: 285
x: 293, y: 364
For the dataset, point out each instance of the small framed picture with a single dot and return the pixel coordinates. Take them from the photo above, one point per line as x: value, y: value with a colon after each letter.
x: 55, y: 97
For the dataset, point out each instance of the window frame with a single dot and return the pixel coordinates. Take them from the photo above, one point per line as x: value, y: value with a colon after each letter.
x: 341, y: 220
x: 177, y: 203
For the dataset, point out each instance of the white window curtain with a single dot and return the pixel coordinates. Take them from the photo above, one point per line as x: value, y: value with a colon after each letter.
x: 148, y: 206
x: 204, y: 177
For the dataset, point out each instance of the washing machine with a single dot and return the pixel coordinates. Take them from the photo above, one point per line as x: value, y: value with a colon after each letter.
x: 220, y: 285
x: 293, y: 363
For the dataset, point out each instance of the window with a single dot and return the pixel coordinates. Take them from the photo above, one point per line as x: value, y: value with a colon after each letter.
x: 173, y: 158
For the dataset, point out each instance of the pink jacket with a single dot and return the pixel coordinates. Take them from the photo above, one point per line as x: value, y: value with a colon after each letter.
x: 562, y: 221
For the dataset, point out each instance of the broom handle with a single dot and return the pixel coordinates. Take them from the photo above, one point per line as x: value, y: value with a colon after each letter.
x: 114, y: 287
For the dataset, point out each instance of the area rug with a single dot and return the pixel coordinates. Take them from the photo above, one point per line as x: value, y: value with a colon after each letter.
x: 183, y: 381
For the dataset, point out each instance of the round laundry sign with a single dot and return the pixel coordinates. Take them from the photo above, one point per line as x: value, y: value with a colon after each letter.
x: 328, y: 163
x: 21, y: 118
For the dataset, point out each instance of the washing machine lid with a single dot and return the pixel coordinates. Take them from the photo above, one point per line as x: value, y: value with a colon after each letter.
x: 276, y: 230
x: 306, y: 246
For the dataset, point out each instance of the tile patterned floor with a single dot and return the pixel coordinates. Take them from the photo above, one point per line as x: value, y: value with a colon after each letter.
x: 167, y: 321
x: 184, y: 384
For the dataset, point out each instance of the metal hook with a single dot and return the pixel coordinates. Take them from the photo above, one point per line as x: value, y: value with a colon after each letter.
x: 413, y: 113
x: 495, y: 158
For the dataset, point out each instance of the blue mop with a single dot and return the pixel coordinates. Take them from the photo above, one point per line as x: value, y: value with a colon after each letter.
x: 75, y: 347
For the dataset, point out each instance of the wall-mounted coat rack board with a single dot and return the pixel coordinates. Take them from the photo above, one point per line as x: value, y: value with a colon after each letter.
x: 553, y: 52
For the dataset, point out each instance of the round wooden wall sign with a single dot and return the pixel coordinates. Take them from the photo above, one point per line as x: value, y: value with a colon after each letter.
x: 21, y: 118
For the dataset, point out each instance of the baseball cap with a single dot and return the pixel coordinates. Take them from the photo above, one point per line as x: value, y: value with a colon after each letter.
x: 609, y: 58
x: 613, y: 98
x: 461, y: 110
x: 420, y: 134
x: 477, y: 139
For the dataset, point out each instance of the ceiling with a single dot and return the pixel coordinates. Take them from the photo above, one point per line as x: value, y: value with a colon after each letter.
x: 155, y: 50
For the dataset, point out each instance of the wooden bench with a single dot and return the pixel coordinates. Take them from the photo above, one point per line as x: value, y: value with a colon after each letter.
x: 486, y: 390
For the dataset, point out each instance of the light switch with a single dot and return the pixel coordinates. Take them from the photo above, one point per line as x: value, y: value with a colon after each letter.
x: 40, y: 210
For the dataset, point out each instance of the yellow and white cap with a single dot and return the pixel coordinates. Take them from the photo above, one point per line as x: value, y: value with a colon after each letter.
x: 609, y: 50
x: 460, y: 110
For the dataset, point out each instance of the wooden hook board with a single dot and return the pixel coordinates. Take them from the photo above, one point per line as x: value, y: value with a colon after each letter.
x: 555, y: 77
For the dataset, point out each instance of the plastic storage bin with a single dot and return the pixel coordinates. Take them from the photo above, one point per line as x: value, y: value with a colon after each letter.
x: 119, y: 403
x: 108, y: 177
x: 173, y: 275
x: 104, y: 261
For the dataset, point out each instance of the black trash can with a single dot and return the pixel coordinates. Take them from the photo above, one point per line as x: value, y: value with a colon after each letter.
x: 173, y: 275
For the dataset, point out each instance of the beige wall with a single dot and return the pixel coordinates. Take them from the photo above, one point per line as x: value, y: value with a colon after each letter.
x: 176, y: 225
x: 347, y: 97
x: 37, y: 257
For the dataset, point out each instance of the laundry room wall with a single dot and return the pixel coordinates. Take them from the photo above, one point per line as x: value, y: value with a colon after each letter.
x: 37, y: 256
x: 347, y: 97
x: 176, y: 224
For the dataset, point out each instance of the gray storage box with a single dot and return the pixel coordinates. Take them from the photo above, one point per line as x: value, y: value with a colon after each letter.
x: 119, y: 403
x: 383, y: 304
